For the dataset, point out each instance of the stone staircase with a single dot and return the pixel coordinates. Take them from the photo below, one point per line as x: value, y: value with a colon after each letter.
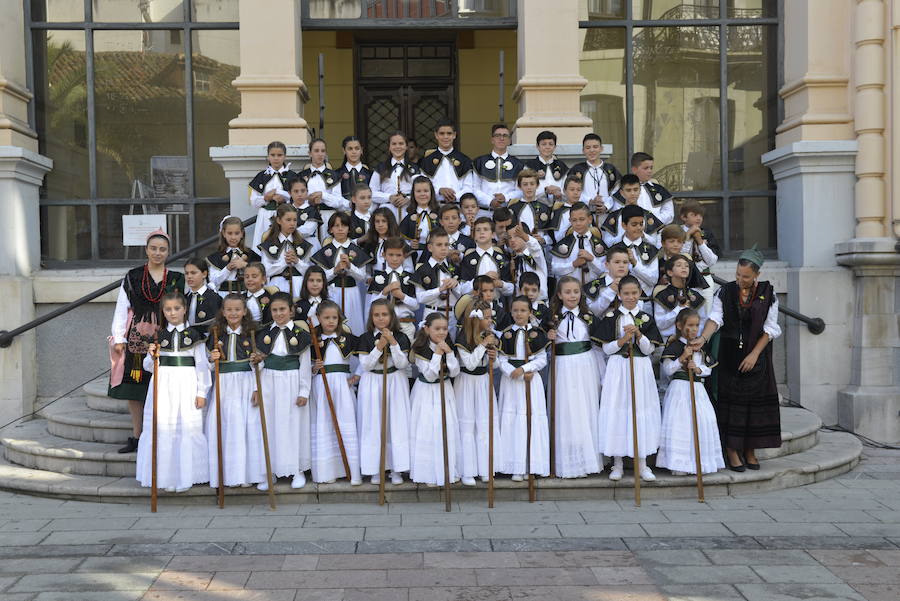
x: 70, y: 451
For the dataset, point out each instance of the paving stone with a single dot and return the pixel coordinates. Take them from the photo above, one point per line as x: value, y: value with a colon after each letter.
x: 419, y: 507
x: 683, y: 557
x: 245, y: 595
x: 35, y: 583
x: 257, y: 521
x: 687, y: 542
x: 7, y: 580
x: 347, y: 521
x: 456, y: 593
x: 796, y: 574
x: 511, y: 531
x: 212, y: 535
x: 53, y: 551
x: 528, y: 519
x: 581, y: 593
x: 888, y: 516
x: 701, y: 592
x: 233, y: 563
x: 879, y: 592
x: 182, y: 581
x: 172, y: 523
x: 782, y: 529
x: 92, y: 596
x: 710, y: 516
x: 824, y: 542
x: 840, y: 557
x: 370, y: 594
x: 535, y: 576
x: 153, y: 563
x: 672, y: 574
x: 432, y: 577
x: 689, y: 529
x: 370, y: 561
x: 227, y: 581
x: 510, y: 507
x: 172, y: 549
x: 17, y: 539
x: 558, y: 544
x: 471, y: 560
x: 867, y: 575
x: 820, y: 515
x: 215, y: 510
x: 71, y: 524
x: 798, y: 592
x: 415, y: 546
x: 446, y: 519
x: 295, y: 548
x: 624, y: 517
x: 324, y: 534
x: 619, y: 575
x: 757, y: 557
x: 88, y: 537
x: 889, y: 557
x: 36, y: 565
x: 344, y: 508
x: 32, y: 597
x: 414, y: 533
x: 318, y: 579
x: 601, y: 530
x: 576, y: 559
x: 24, y: 525
x: 875, y: 529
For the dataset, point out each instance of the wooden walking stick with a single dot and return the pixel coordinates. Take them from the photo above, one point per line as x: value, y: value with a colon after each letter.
x: 696, y: 437
x: 330, y: 399
x: 490, y: 430
x: 262, y: 421
x: 384, y: 406
x: 531, y: 491
x: 154, y: 442
x: 444, y: 434
x: 552, y: 424
x: 634, y: 427
x: 220, y: 492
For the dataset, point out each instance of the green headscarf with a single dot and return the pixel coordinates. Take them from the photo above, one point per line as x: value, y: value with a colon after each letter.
x: 753, y: 255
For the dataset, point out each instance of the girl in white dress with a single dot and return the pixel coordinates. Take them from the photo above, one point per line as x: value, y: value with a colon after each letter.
x: 391, y: 181
x: 383, y: 335
x: 269, y: 189
x: 476, y: 345
x: 183, y: 382
x: 619, y: 329
x: 226, y: 265
x: 523, y: 354
x: 433, y: 356
x: 579, y: 374
x: 676, y: 443
x: 285, y: 376
x: 384, y: 227
x: 232, y: 330
x: 313, y: 292
x: 285, y: 253
x: 309, y: 219
x: 336, y: 345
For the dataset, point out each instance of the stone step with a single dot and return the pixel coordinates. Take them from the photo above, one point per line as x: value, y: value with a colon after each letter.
x: 834, y: 454
x: 95, y: 394
x: 31, y: 445
x: 73, y: 419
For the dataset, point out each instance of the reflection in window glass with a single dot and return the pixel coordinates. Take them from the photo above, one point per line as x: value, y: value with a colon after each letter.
x: 216, y: 63
x: 57, y: 10
x: 140, y: 114
x: 676, y: 104
x: 599, y: 10
x: 138, y: 11
x: 335, y: 9
x: 484, y: 8
x: 65, y: 233
x: 675, y: 9
x: 752, y: 221
x: 214, y: 10
x: 752, y: 9
x: 603, y: 99
x: 753, y: 90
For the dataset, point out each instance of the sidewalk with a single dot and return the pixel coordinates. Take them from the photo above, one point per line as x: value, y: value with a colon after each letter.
x: 839, y: 539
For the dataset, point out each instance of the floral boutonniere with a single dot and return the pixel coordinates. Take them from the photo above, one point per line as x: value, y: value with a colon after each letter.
x: 640, y: 320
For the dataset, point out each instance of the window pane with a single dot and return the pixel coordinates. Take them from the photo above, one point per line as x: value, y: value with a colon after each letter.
x: 753, y: 94
x: 712, y: 217
x: 484, y: 8
x: 216, y: 63
x: 65, y: 233
x: 138, y: 11
x: 110, y: 227
x: 335, y: 9
x: 676, y: 104
x: 60, y: 88
x: 408, y: 9
x: 675, y: 9
x: 752, y: 221
x: 140, y: 114
x: 600, y: 10
x: 214, y: 10
x: 752, y: 9
x: 206, y: 223
x: 603, y: 98
x: 57, y: 10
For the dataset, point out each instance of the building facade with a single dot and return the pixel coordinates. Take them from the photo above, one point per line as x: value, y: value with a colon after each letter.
x: 775, y: 114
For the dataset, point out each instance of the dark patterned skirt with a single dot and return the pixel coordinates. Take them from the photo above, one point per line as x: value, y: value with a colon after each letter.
x: 747, y: 407
x: 135, y: 381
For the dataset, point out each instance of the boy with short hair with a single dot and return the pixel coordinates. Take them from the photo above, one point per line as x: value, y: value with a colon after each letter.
x: 700, y: 244
x: 437, y: 280
x: 527, y: 256
x: 395, y: 284
x: 580, y: 253
x: 529, y: 209
x: 612, y: 227
x: 641, y: 254
x: 550, y: 171
x: 530, y: 287
x: 602, y: 292
x: 484, y: 288
x: 654, y: 197
x: 559, y: 221
x: 503, y: 220
x: 449, y: 169
x: 450, y: 219
x: 485, y: 259
x: 672, y: 238
x: 600, y: 179
x: 494, y: 179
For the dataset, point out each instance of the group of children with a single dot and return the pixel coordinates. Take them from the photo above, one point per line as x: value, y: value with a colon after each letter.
x: 435, y: 279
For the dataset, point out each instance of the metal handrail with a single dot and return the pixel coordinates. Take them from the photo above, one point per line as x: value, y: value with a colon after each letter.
x: 7, y: 336
x: 816, y: 325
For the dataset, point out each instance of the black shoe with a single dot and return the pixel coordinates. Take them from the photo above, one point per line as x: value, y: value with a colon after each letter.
x: 736, y: 468
x: 751, y: 466
x: 131, y: 446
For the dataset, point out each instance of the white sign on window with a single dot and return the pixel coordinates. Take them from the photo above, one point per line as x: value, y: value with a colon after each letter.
x: 136, y: 228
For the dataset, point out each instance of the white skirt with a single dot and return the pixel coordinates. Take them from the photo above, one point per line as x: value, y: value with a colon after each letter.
x: 236, y: 390
x: 369, y: 422
x: 263, y: 223
x: 286, y: 424
x: 472, y: 407
x: 327, y: 463
x: 426, y: 437
x: 514, y: 427
x: 353, y: 307
x: 577, y: 447
x: 615, y: 408
x: 292, y: 287
x: 181, y: 445
x: 676, y: 443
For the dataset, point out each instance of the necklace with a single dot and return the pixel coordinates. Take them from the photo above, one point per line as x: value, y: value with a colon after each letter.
x: 751, y: 292
x: 147, y: 285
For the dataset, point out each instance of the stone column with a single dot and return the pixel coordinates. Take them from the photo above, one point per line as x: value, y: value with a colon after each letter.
x: 272, y: 96
x: 549, y: 87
